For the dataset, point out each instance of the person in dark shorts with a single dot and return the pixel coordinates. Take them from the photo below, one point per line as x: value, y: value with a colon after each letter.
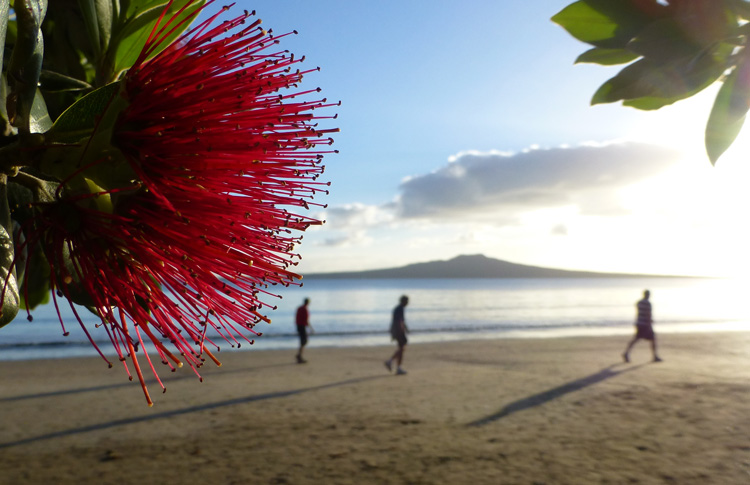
x: 643, y: 327
x: 303, y: 321
x: 398, y: 333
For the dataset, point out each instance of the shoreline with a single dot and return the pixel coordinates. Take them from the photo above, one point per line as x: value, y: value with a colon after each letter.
x: 68, y: 350
x: 563, y: 410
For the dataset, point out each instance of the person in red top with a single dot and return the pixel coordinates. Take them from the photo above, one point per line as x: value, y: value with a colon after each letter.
x: 303, y: 321
x: 643, y: 327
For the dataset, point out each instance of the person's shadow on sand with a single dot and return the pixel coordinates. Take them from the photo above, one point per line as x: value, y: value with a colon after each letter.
x: 186, y: 410
x: 554, y: 393
x: 152, y: 381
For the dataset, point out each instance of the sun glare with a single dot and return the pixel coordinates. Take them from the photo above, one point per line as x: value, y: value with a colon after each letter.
x: 702, y: 207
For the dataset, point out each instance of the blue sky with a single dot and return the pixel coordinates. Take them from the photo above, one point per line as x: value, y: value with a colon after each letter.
x: 466, y: 128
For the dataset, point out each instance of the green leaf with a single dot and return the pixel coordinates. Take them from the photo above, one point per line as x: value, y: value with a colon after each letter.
x: 32, y: 274
x: 136, y: 7
x: 83, y: 114
x: 728, y: 112
x: 54, y: 82
x: 36, y: 297
x: 105, y: 19
x: 98, y: 17
x: 68, y: 279
x: 664, y: 41
x: 35, y: 280
x: 4, y: 118
x: 88, y: 11
x: 21, y: 197
x: 8, y: 283
x: 129, y: 39
x: 586, y: 24
x: 26, y: 61
x: 646, y: 84
x: 81, y: 138
x: 67, y: 52
x: 10, y: 297
x: 39, y: 120
x: 607, y: 57
x: 4, y: 9
x: 607, y: 23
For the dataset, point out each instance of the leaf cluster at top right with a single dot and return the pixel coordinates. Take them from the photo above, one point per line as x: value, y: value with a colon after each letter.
x: 673, y: 49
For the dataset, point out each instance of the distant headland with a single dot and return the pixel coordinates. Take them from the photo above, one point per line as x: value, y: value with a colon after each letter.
x: 474, y: 266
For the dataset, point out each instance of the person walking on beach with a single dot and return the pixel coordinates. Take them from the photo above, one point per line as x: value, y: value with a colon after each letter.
x: 643, y: 327
x: 398, y: 333
x: 303, y: 321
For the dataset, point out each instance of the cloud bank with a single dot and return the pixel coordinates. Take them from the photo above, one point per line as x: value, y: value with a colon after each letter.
x: 497, y: 189
x: 587, y: 176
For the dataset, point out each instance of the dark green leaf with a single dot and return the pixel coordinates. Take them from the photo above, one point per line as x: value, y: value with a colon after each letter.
x: 26, y: 61
x: 36, y: 296
x: 728, y: 112
x: 4, y: 9
x: 34, y: 279
x: 88, y: 11
x: 649, y: 85
x: 32, y: 274
x: 65, y: 154
x: 740, y: 7
x: 11, y: 37
x: 105, y: 21
x: 5, y: 127
x: 690, y: 29
x: 8, y: 284
x: 93, y: 119
x: 664, y: 41
x: 83, y: 114
x: 607, y: 57
x: 98, y: 17
x: 53, y: 82
x: 9, y: 291
x: 68, y: 52
x: 68, y: 279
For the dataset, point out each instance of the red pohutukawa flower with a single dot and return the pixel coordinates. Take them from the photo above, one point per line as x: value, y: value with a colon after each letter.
x: 221, y: 145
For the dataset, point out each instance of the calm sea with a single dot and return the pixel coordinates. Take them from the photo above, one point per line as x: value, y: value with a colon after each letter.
x: 358, y: 312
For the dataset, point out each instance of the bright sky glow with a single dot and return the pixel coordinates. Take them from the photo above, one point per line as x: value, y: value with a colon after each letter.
x: 466, y: 128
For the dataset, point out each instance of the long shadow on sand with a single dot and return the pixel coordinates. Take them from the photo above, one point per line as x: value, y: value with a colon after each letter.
x: 554, y: 393
x: 179, y: 412
x: 64, y: 392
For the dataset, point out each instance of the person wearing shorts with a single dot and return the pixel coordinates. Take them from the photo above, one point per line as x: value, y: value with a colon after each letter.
x: 398, y: 333
x: 643, y: 327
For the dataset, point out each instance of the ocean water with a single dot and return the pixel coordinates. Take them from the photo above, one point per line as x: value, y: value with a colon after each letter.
x: 358, y: 312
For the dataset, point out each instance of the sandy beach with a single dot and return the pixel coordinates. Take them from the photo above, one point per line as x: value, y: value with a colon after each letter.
x: 536, y: 411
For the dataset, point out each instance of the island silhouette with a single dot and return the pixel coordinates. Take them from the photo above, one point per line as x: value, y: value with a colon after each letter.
x: 474, y: 266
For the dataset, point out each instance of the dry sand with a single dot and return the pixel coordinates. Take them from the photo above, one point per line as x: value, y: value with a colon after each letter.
x: 537, y: 411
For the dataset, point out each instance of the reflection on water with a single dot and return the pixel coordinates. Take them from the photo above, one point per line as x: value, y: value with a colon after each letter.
x: 357, y: 312
x: 520, y: 303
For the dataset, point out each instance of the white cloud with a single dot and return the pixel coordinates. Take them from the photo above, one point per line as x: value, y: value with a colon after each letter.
x: 604, y: 207
x: 588, y: 176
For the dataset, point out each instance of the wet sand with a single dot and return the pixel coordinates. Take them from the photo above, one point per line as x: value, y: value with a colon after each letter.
x: 534, y: 411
